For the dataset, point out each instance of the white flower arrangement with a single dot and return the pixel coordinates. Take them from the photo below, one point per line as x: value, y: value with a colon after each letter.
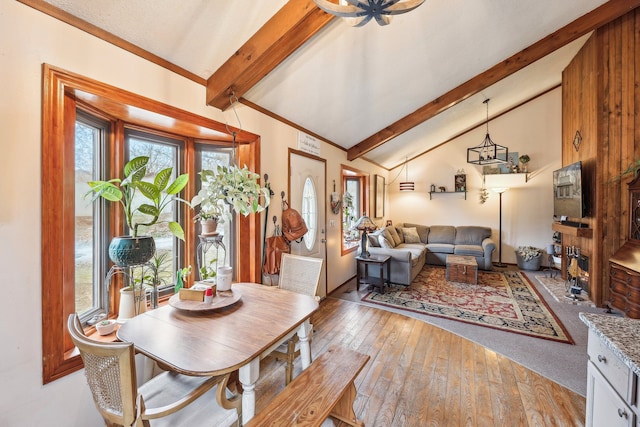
x: 528, y: 252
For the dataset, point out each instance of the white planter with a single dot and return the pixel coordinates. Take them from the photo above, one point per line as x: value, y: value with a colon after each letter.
x: 131, y: 304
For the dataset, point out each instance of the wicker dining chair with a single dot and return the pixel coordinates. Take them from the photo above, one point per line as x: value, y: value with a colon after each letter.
x: 168, y: 399
x: 298, y: 274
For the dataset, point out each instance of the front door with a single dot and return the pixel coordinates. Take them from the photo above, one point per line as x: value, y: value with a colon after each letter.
x: 307, y: 191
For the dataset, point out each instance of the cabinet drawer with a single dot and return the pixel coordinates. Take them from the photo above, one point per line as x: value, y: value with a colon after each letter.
x: 618, y: 286
x: 616, y: 372
x: 617, y: 300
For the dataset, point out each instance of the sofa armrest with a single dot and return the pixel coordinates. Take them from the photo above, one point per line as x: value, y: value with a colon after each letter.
x: 398, y: 255
x: 488, y: 246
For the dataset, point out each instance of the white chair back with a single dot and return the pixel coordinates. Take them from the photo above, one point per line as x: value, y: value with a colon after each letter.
x: 300, y: 274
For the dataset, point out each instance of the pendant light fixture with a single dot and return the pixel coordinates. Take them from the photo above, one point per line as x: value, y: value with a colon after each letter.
x: 488, y: 152
x: 407, y: 185
x: 358, y: 12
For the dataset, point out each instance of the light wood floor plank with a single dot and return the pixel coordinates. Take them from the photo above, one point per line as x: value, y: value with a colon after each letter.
x: 420, y: 375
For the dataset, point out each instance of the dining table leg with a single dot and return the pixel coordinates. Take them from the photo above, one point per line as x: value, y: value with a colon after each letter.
x: 305, y: 347
x: 248, y: 375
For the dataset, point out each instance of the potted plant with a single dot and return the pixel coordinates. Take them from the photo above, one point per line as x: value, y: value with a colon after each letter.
x: 230, y: 186
x: 528, y: 257
x: 142, y: 203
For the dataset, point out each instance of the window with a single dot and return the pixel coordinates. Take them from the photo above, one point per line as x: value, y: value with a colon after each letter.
x: 163, y: 153
x: 89, y: 131
x: 355, y: 199
x: 90, y: 138
x: 309, y: 212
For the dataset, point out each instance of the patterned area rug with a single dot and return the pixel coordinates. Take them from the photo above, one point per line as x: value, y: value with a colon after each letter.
x: 500, y: 300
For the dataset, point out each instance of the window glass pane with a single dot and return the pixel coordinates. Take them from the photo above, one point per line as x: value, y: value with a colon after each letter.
x: 309, y: 212
x: 211, y: 255
x: 87, y: 139
x: 163, y: 153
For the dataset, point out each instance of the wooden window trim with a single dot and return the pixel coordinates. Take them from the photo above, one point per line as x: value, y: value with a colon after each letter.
x: 60, y: 90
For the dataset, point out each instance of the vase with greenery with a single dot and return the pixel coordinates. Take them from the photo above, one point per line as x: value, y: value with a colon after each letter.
x: 231, y: 186
x: 142, y: 202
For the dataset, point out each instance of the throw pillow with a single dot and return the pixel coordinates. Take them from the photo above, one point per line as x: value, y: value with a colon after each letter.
x: 373, y: 238
x: 411, y: 235
x: 385, y: 239
x: 394, y: 235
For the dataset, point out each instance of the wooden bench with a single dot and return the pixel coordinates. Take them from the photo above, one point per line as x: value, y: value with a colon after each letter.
x: 324, y: 389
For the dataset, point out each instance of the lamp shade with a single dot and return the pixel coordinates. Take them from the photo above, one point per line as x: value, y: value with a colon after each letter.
x: 407, y: 186
x: 365, y: 223
x: 499, y: 189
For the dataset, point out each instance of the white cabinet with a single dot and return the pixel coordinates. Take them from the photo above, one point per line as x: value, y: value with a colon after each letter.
x: 605, y: 407
x: 609, y: 387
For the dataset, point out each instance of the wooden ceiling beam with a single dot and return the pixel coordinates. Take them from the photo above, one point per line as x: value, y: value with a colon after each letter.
x: 279, y: 37
x: 602, y: 15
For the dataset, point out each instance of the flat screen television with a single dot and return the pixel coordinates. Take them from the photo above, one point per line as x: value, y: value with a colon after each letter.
x: 568, y: 197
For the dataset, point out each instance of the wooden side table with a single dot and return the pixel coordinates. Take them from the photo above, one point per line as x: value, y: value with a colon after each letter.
x: 383, y: 262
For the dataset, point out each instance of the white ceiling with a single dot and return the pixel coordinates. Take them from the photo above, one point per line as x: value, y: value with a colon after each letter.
x: 346, y: 83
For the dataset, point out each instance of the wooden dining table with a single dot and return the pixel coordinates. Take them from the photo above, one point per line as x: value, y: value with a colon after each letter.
x: 215, y: 342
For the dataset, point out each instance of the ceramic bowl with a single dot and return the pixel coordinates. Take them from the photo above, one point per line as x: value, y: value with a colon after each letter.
x: 105, y: 327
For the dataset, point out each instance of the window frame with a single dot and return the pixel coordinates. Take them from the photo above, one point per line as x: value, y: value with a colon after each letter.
x: 62, y: 92
x: 351, y: 173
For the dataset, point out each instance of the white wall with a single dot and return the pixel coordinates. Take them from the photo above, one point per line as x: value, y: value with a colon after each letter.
x: 527, y: 211
x: 29, y: 38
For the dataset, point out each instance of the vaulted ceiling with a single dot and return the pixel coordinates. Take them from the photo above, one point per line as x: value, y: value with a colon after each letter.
x: 381, y: 92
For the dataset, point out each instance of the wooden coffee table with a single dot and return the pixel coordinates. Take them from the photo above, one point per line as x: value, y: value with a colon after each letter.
x: 462, y: 268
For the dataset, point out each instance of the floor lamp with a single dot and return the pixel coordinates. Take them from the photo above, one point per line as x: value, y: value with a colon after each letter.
x: 500, y: 264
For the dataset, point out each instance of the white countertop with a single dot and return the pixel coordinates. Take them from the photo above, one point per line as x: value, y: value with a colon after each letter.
x: 620, y: 334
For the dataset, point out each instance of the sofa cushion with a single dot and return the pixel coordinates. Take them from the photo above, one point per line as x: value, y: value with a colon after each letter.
x: 441, y: 248
x: 399, y: 231
x: 423, y: 231
x: 411, y: 235
x: 394, y: 234
x: 416, y: 249
x: 373, y: 238
x: 442, y: 234
x: 385, y: 239
x: 470, y: 250
x: 470, y: 235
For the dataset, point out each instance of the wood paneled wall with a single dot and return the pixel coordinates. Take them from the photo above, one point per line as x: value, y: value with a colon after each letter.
x: 601, y: 99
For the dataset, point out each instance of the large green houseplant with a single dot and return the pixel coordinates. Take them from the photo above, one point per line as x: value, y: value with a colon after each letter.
x: 142, y: 202
x: 230, y: 186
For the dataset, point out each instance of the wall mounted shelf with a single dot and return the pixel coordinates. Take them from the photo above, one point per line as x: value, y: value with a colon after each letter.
x: 431, y: 193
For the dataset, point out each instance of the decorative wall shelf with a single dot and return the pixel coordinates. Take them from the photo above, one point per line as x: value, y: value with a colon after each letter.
x: 506, y: 180
x: 431, y: 193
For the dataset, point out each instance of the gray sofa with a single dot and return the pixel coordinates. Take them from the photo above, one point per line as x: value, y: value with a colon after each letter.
x: 411, y: 246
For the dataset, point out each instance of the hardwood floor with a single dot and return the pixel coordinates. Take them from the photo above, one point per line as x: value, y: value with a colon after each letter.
x: 421, y: 375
